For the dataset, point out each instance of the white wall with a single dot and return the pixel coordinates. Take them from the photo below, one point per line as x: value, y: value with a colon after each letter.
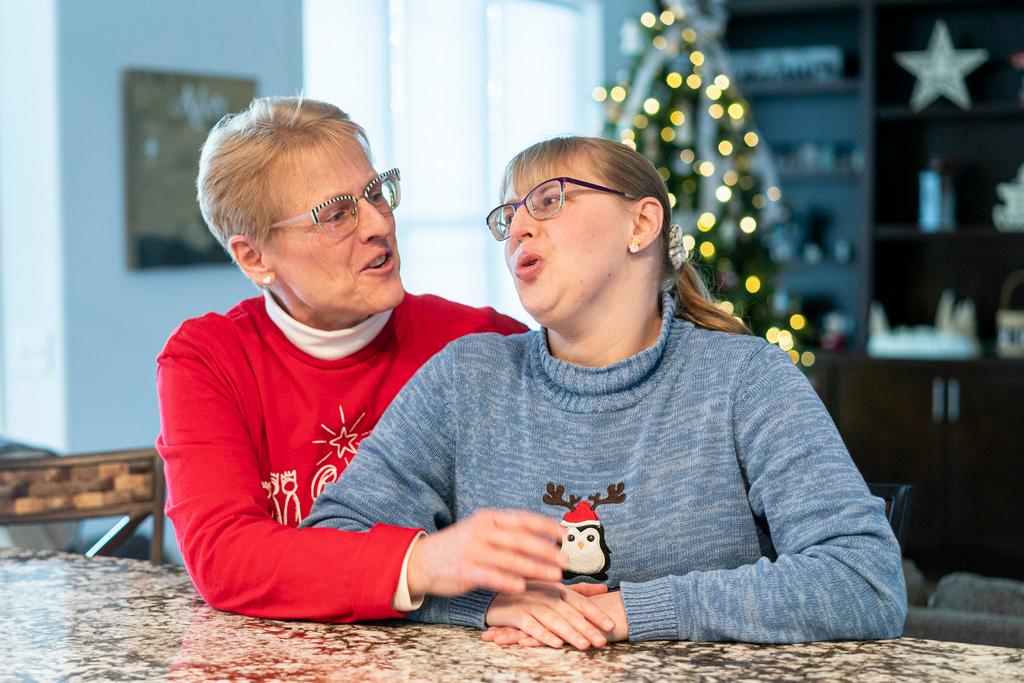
x: 116, y: 320
x: 31, y: 270
x: 80, y: 332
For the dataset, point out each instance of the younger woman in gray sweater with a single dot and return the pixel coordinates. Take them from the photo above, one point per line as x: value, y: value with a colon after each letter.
x: 695, y: 471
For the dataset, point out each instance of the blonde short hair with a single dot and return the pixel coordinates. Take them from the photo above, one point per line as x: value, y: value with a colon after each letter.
x: 235, y: 183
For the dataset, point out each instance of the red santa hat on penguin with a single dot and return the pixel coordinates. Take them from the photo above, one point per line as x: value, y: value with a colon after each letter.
x: 583, y: 515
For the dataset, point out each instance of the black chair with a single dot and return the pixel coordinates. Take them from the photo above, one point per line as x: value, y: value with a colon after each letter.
x: 897, y: 499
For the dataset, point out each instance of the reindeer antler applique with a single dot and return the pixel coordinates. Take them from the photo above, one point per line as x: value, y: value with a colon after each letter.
x: 615, y: 495
x: 554, y: 497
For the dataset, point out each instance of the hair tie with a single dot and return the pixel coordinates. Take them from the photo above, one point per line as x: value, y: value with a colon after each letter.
x: 676, y: 252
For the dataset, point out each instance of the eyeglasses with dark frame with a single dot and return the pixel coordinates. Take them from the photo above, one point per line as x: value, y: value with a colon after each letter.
x: 543, y: 202
x: 338, y: 217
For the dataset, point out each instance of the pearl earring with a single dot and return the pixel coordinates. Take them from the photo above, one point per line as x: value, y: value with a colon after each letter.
x: 267, y: 280
x: 634, y: 245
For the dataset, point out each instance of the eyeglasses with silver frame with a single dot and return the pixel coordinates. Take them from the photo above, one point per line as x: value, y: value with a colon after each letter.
x: 338, y: 217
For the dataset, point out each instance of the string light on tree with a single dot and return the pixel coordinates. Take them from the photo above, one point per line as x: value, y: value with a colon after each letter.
x: 678, y: 106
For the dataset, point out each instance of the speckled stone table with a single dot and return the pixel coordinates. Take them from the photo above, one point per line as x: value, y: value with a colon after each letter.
x: 68, y: 617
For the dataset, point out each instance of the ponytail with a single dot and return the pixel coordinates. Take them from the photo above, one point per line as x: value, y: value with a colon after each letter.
x: 694, y: 303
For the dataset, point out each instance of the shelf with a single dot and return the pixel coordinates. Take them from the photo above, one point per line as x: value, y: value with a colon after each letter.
x: 893, y: 232
x: 753, y: 8
x: 988, y: 358
x: 785, y: 89
x: 949, y: 112
x: 917, y: 4
x: 801, y: 265
x: 813, y: 177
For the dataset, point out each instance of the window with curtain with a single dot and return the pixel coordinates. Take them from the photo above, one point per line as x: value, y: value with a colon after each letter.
x: 449, y: 91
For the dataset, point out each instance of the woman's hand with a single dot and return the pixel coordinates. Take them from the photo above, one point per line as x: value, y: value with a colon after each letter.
x: 494, y: 550
x: 609, y: 603
x: 550, y: 614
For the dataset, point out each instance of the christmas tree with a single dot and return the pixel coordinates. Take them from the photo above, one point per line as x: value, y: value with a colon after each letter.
x: 678, y: 107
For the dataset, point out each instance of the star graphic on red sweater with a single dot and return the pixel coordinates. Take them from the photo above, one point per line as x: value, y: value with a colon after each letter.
x: 345, y: 441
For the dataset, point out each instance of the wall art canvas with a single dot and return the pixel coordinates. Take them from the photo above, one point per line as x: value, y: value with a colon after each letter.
x: 167, y: 117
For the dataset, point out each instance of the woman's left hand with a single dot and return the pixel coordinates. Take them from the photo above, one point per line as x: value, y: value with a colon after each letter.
x: 609, y: 603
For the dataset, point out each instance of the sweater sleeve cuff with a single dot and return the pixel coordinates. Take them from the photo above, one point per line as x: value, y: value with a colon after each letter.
x: 382, y: 552
x: 653, y: 611
x: 403, y: 602
x: 470, y: 609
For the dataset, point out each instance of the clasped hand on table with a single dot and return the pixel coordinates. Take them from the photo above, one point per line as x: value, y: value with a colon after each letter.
x: 584, y: 615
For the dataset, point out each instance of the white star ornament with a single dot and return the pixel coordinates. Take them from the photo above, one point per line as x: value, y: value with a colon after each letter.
x: 940, y: 70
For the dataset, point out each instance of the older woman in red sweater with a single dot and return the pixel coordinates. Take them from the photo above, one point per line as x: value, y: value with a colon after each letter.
x: 264, y: 405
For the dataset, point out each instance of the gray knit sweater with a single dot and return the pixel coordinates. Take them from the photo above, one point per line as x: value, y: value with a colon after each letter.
x: 702, y: 477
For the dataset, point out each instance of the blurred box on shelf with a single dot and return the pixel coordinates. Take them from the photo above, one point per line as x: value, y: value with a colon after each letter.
x: 787, y: 64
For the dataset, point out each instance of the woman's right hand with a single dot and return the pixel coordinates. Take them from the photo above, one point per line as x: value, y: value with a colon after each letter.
x: 495, y: 550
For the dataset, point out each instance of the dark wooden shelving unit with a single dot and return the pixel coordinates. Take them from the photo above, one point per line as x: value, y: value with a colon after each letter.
x: 977, y: 112
x: 823, y: 112
x: 950, y: 427
x: 877, y: 209
x: 904, y: 232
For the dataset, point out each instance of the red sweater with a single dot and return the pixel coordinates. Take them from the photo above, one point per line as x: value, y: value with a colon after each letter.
x: 252, y: 428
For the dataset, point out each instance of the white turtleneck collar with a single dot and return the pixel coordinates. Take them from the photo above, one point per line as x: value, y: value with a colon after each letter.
x: 325, y: 344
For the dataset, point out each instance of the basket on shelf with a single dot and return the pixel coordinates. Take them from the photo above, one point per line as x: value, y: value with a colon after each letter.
x: 1010, y: 321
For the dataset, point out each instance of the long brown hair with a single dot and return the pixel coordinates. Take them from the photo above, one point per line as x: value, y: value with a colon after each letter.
x: 626, y: 170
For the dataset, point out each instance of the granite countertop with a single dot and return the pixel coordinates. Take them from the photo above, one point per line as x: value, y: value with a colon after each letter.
x: 66, y: 616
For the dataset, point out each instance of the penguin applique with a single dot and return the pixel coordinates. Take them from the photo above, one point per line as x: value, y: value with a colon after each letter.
x: 583, y: 542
